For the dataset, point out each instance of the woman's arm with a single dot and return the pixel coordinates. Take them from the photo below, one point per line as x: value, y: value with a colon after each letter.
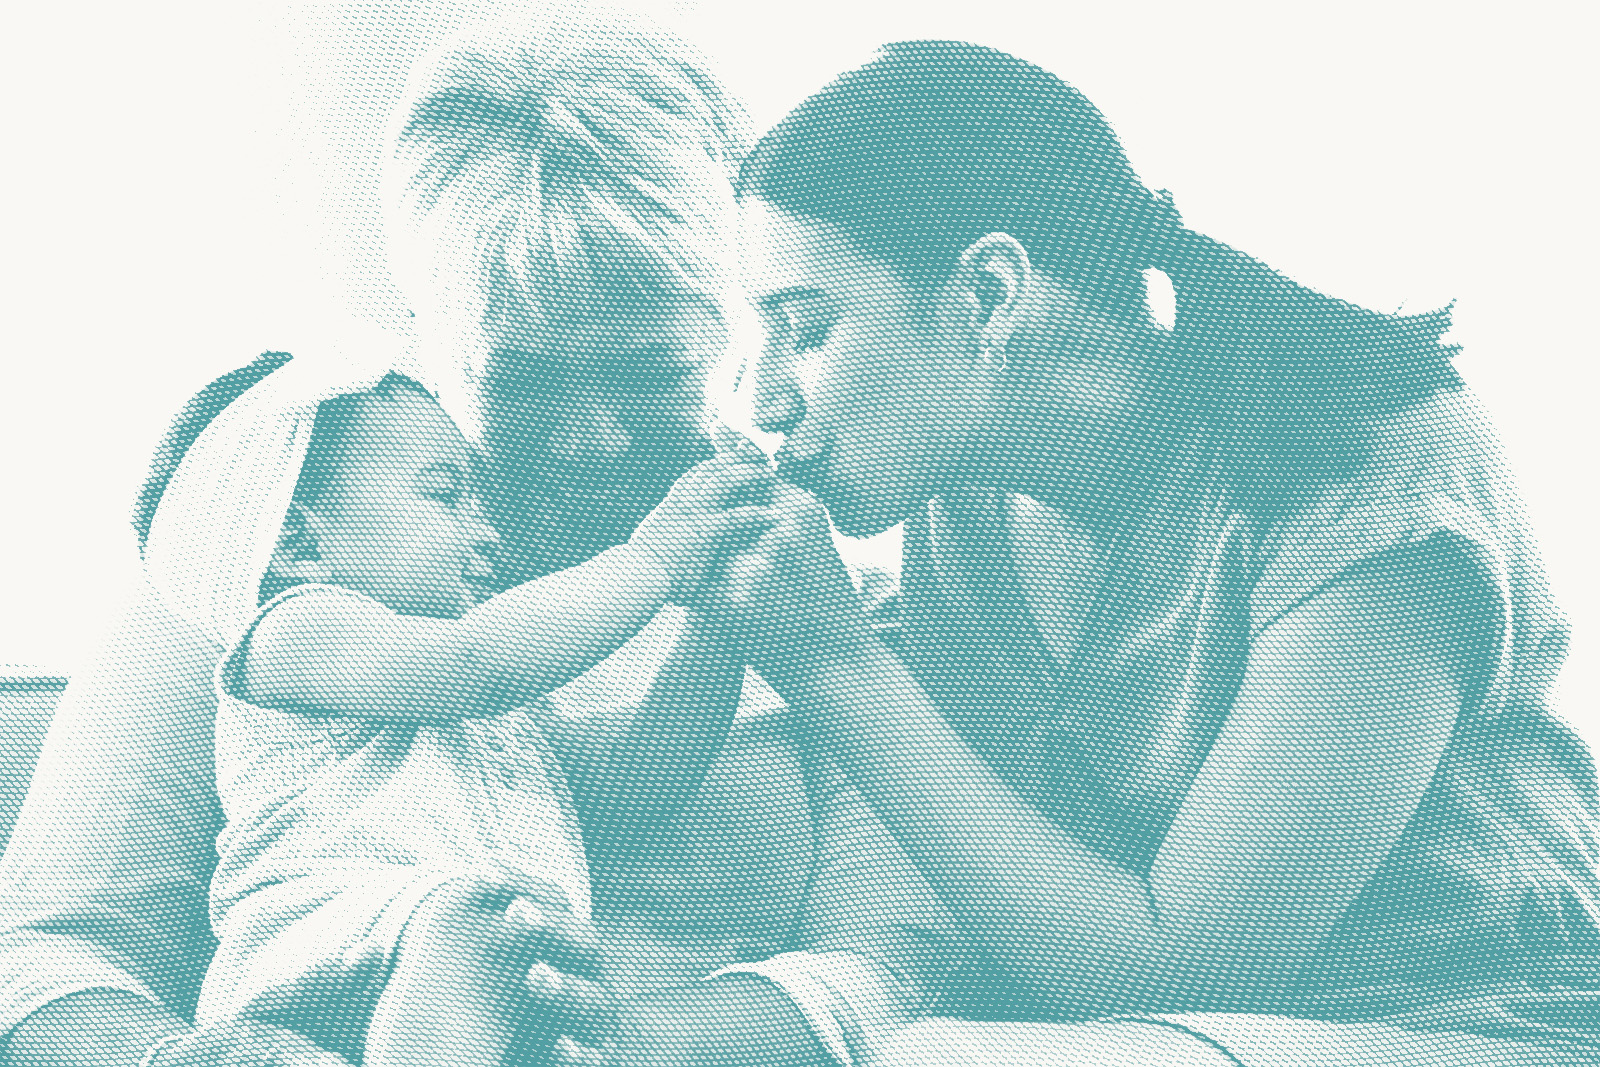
x: 110, y: 1028
x: 1345, y: 709
x: 347, y: 656
x: 732, y: 1021
x: 103, y: 881
x: 629, y: 786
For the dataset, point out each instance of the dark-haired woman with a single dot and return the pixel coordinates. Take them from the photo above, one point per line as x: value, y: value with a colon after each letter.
x: 1222, y: 690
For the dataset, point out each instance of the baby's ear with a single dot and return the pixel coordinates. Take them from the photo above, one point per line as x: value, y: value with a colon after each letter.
x: 297, y: 559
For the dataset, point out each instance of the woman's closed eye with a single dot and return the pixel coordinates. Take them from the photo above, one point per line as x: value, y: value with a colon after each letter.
x: 810, y: 330
x: 443, y: 482
x: 802, y: 321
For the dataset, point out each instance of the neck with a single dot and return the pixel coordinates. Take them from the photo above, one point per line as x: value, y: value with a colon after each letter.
x: 1107, y: 482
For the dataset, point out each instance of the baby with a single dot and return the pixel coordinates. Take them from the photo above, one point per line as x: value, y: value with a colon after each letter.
x: 385, y: 799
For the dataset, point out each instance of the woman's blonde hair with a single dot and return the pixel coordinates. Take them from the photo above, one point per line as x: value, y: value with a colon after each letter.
x: 541, y: 166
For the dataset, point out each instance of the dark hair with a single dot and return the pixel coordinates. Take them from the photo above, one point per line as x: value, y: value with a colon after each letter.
x: 186, y: 427
x: 932, y: 144
x: 330, y: 438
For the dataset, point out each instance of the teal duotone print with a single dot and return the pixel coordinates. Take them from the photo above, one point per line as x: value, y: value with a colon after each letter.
x: 489, y: 698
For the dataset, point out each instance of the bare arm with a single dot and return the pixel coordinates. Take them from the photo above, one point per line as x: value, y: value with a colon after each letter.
x: 103, y: 881
x: 728, y: 1022
x: 339, y: 656
x: 1346, y: 708
x: 95, y: 1028
x: 628, y: 789
x: 110, y: 1028
x: 342, y: 656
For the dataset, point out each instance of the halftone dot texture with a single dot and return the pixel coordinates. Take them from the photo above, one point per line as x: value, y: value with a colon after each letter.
x: 1340, y: 452
x: 223, y: 508
x: 338, y: 829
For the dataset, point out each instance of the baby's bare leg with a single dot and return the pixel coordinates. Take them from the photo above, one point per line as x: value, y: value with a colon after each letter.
x: 447, y: 1002
x: 491, y: 972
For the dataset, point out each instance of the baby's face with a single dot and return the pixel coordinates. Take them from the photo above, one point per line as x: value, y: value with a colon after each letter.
x: 401, y: 519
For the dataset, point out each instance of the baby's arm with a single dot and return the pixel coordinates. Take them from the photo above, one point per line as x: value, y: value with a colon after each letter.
x: 348, y: 656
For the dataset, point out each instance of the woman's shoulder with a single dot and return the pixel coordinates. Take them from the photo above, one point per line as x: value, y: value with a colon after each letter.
x: 1434, y: 468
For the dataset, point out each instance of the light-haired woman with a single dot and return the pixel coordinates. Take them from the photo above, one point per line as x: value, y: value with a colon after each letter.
x: 563, y: 199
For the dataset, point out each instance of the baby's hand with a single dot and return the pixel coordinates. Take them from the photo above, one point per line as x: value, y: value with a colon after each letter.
x: 712, y: 512
x: 788, y: 594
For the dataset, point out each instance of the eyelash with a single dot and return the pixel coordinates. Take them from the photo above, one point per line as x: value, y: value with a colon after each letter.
x: 812, y: 339
x: 806, y: 332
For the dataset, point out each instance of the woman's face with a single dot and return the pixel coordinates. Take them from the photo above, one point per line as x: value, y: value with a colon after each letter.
x: 877, y: 402
x: 601, y: 422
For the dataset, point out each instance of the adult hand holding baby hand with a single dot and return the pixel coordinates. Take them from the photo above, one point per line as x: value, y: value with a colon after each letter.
x: 788, y: 596
x: 716, y: 508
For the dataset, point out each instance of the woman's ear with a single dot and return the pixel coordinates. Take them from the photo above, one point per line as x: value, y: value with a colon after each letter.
x: 297, y: 559
x: 991, y: 281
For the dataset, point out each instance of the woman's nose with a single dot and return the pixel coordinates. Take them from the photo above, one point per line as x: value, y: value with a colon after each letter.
x: 777, y: 404
x: 590, y: 430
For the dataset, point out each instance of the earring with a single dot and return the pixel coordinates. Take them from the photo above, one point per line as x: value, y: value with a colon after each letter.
x: 987, y: 354
x: 1160, y: 298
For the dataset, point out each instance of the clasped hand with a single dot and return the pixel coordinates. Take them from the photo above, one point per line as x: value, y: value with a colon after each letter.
x: 754, y: 556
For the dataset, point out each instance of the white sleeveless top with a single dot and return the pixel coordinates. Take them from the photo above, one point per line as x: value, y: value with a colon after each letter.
x: 1486, y: 915
x: 337, y: 827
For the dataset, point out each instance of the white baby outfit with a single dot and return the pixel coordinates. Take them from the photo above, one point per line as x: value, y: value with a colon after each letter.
x: 339, y: 827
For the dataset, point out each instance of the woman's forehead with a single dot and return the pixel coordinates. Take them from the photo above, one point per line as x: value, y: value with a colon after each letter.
x: 787, y: 253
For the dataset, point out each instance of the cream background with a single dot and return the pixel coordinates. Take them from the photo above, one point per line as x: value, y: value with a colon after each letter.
x: 188, y: 183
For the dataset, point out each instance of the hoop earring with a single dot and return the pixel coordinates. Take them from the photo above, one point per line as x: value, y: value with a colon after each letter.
x: 987, y: 354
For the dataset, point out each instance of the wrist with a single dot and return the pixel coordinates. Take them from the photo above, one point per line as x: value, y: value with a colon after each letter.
x: 852, y: 658
x: 730, y: 1021
x: 650, y: 568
